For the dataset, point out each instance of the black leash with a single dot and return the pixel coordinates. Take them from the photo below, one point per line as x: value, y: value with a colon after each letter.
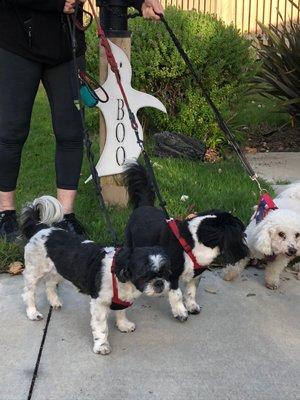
x: 37, y: 364
x: 87, y: 141
x: 220, y: 120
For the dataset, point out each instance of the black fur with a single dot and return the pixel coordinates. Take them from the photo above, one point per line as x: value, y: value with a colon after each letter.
x: 139, y: 186
x: 30, y: 223
x: 147, y: 226
x: 79, y: 263
x: 225, y: 231
x: 82, y: 263
x: 134, y: 265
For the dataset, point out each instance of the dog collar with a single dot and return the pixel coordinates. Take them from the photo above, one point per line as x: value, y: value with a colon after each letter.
x: 265, y: 205
x: 198, y: 269
x: 117, y: 303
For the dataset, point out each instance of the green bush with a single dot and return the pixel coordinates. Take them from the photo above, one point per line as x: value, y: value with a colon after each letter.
x: 220, y: 54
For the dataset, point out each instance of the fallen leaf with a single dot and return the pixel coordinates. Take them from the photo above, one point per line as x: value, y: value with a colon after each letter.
x: 16, y: 268
x: 251, y: 294
x: 251, y: 150
x: 212, y: 291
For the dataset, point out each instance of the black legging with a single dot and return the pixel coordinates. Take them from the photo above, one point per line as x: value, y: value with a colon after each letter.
x: 19, y: 82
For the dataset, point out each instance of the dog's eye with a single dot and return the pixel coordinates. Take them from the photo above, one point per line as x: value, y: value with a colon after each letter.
x: 297, y: 235
x: 282, y: 235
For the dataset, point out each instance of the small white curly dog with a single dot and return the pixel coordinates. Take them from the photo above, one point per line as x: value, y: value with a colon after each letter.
x: 275, y: 240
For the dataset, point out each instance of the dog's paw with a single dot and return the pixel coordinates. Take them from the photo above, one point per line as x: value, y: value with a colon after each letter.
x: 181, y: 317
x: 56, y: 304
x: 101, y: 348
x: 34, y: 315
x: 126, y: 326
x: 272, y: 285
x: 230, y: 274
x: 193, y: 308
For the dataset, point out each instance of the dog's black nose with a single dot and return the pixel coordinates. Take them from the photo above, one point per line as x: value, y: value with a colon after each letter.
x: 292, y: 251
x: 159, y: 285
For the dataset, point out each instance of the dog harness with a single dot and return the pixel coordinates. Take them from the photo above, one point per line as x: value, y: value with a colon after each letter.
x: 117, y: 303
x: 198, y: 269
x: 265, y: 205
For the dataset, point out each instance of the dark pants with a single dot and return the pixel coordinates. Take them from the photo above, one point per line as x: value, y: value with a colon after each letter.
x: 19, y: 82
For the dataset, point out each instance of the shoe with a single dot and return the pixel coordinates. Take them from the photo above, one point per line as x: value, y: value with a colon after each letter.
x: 71, y: 224
x: 9, y: 227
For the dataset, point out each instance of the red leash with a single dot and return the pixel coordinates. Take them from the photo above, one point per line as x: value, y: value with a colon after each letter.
x: 117, y: 303
x: 113, y: 64
x: 172, y: 223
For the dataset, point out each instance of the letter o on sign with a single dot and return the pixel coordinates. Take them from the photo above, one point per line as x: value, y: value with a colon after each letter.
x: 120, y: 132
x: 120, y: 155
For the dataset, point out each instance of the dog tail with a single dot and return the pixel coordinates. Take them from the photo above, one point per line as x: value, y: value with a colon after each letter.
x: 40, y: 214
x: 139, y: 186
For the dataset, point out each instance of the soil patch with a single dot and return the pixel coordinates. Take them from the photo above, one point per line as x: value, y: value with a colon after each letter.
x: 265, y: 139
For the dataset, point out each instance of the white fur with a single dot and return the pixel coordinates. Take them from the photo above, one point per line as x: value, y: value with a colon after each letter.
x: 50, y: 209
x: 264, y: 238
x: 204, y: 256
x: 156, y: 261
x: 150, y: 291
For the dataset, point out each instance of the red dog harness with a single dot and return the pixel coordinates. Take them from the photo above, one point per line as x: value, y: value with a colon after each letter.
x: 117, y: 303
x: 198, y: 269
x: 265, y: 205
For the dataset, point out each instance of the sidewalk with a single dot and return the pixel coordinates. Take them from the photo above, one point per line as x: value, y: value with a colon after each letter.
x: 245, y: 345
x: 276, y: 168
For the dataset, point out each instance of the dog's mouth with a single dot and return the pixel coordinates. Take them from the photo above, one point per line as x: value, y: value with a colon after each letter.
x: 290, y: 254
x: 156, y: 288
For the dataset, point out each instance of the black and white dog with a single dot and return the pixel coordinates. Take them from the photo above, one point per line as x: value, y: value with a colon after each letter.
x: 53, y: 254
x: 209, y: 234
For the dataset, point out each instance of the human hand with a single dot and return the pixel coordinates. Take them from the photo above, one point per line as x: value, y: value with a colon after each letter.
x: 69, y: 6
x: 150, y: 9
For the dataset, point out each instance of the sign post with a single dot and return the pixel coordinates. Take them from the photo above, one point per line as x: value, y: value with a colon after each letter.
x: 113, y: 18
x: 118, y: 142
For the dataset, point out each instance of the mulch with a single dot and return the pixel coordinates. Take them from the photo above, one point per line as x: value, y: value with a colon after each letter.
x: 267, y: 139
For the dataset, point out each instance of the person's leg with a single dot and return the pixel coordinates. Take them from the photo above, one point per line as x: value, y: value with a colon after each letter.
x: 60, y: 85
x: 19, y: 80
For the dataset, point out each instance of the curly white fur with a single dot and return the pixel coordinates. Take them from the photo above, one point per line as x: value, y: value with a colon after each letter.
x: 278, y: 235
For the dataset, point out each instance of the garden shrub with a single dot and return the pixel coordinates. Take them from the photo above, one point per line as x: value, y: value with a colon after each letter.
x: 221, y: 56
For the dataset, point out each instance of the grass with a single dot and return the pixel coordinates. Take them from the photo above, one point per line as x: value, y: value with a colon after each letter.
x: 259, y: 110
x: 222, y: 185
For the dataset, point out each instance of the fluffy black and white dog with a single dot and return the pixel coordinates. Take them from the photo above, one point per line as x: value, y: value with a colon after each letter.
x: 209, y: 234
x: 53, y: 254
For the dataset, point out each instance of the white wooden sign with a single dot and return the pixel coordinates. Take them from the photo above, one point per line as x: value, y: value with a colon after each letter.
x: 121, y: 145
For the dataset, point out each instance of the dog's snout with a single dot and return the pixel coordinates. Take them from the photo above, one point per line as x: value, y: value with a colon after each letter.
x: 159, y: 285
x: 292, y: 251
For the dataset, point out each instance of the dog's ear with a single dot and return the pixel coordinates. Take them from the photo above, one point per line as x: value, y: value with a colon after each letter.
x: 263, y: 240
x: 122, y: 260
x: 234, y: 247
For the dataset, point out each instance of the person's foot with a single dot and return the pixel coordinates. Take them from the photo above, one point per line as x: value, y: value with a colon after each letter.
x: 9, y: 227
x: 71, y: 224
